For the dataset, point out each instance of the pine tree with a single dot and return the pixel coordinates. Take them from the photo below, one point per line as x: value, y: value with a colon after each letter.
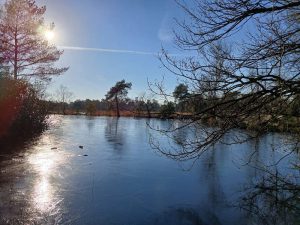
x: 24, y: 49
x: 120, y: 90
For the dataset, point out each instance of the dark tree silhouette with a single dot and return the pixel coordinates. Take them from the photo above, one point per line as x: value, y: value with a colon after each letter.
x: 250, y: 85
x: 167, y: 110
x: 181, y: 95
x: 120, y: 90
x: 180, y: 92
x: 24, y: 49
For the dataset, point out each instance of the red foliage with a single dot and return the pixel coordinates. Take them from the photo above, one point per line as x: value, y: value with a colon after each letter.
x: 11, y: 99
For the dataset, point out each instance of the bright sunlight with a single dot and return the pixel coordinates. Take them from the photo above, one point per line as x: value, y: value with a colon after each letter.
x: 49, y: 35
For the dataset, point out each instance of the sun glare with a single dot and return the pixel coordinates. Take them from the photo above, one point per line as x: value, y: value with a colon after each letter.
x: 49, y: 35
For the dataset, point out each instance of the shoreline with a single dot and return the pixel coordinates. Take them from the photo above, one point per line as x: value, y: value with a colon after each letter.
x: 290, y: 124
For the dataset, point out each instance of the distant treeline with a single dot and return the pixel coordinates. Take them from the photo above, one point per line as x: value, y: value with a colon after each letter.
x: 128, y: 107
x: 185, y: 105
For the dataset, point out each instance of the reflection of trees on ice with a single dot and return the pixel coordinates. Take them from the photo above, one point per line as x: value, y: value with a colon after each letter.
x: 114, y: 133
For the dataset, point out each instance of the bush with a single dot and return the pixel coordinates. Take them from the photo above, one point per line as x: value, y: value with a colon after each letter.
x: 91, y: 108
x: 167, y: 110
x: 22, y: 113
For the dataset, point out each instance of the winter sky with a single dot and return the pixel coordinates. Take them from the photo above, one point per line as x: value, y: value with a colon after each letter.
x: 109, y: 40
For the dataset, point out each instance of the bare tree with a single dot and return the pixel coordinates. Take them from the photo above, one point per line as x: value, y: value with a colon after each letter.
x: 24, y: 49
x: 250, y: 86
x: 64, y: 96
x: 146, y: 102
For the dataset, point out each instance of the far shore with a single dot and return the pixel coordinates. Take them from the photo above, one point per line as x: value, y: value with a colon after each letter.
x: 104, y: 113
x: 289, y: 125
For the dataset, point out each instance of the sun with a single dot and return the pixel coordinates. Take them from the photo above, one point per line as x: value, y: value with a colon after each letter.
x: 49, y: 35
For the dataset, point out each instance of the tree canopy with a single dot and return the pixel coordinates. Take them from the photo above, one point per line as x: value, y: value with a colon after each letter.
x: 120, y: 90
x: 24, y: 50
x: 180, y: 92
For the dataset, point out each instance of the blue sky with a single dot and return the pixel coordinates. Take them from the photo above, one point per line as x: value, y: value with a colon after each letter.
x: 109, y: 40
x: 106, y: 41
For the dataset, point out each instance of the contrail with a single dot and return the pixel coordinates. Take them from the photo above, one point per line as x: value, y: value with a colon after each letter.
x: 108, y: 50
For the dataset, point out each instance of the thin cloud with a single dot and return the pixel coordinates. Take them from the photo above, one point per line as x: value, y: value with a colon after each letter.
x: 165, y: 33
x: 119, y: 51
x: 122, y: 51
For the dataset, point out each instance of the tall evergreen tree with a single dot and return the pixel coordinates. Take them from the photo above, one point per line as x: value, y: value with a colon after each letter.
x: 24, y: 49
x: 120, y: 90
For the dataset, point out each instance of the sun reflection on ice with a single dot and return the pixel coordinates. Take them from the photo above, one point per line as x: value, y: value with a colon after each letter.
x: 45, y: 163
x: 42, y: 195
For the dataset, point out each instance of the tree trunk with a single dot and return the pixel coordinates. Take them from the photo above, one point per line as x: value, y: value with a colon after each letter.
x: 117, y: 106
x: 148, y: 111
x: 64, y: 108
x: 16, y: 58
